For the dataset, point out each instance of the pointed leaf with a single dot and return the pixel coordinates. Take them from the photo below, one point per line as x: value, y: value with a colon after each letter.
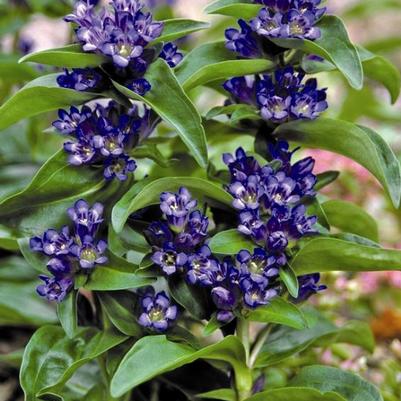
x: 244, y: 9
x: 331, y: 254
x: 178, y: 28
x: 51, y: 358
x: 296, y: 394
x: 38, y: 96
x: 152, y: 356
x: 71, y: 56
x: 146, y: 195
x: 279, y: 311
x: 230, y: 242
x: 211, y: 62
x: 168, y: 100
x: 360, y: 144
x: 333, y: 45
x: 351, y: 218
x: 349, y: 385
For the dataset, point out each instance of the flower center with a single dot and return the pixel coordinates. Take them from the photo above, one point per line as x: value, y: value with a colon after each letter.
x: 124, y: 50
x: 156, y: 314
x: 296, y: 28
x: 169, y: 259
x: 256, y: 266
x: 89, y: 254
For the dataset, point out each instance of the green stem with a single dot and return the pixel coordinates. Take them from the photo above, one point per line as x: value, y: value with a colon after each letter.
x: 243, y: 335
x: 244, y: 384
x: 257, y: 346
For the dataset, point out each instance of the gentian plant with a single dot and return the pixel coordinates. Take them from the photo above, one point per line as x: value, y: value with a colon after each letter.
x: 192, y: 277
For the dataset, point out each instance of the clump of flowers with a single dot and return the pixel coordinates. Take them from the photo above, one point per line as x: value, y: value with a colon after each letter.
x: 123, y: 34
x: 71, y: 251
x: 157, y: 312
x: 277, y: 19
x: 104, y: 135
x: 279, y: 97
x: 269, y: 213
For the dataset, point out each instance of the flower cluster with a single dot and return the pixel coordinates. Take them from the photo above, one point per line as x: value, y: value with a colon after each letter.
x: 82, y: 79
x: 268, y: 199
x: 71, y: 252
x: 123, y: 33
x: 104, y: 135
x: 280, y: 97
x: 277, y: 19
x: 157, y: 312
x: 180, y: 247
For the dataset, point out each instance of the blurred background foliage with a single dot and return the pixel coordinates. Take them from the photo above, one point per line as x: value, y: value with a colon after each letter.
x: 30, y: 25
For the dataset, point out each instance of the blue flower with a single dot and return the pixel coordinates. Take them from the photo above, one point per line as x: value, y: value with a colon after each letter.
x: 90, y: 253
x: 81, y: 79
x: 255, y: 295
x: 242, y: 89
x: 195, y: 230
x: 70, y: 251
x: 241, y: 165
x: 55, y: 288
x: 169, y: 259
x: 87, y: 219
x: 158, y: 233
x: 176, y: 207
x: 68, y: 122
x: 242, y: 41
x: 119, y: 167
x: 158, y: 313
x: 104, y: 135
x: 171, y: 54
x: 53, y: 242
x: 308, y: 286
x: 224, y: 299
x: 201, y: 266
x: 140, y: 86
x: 260, y: 266
x: 247, y: 194
x: 280, y: 97
x: 120, y: 32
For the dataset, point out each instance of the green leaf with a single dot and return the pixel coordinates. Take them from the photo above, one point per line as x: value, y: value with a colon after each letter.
x: 152, y: 356
x: 8, y: 240
x: 179, y: 27
x: 333, y: 45
x: 234, y: 8
x: 296, y: 394
x: 285, y: 341
x: 50, y: 358
x: 56, y: 184
x: 20, y: 305
x: 279, y: 311
x: 230, y: 242
x: 331, y: 254
x: 211, y: 62
x: 349, y: 385
x: 360, y: 144
x: 325, y: 179
x: 70, y: 56
x: 351, y: 218
x: 146, y: 194
x: 382, y: 70
x: 68, y: 314
x: 117, y: 274
x: 15, y: 73
x: 212, y: 325
x: 193, y: 299
x: 120, y: 307
x: 48, y: 96
x: 224, y: 394
x: 170, y: 102
x: 290, y: 280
